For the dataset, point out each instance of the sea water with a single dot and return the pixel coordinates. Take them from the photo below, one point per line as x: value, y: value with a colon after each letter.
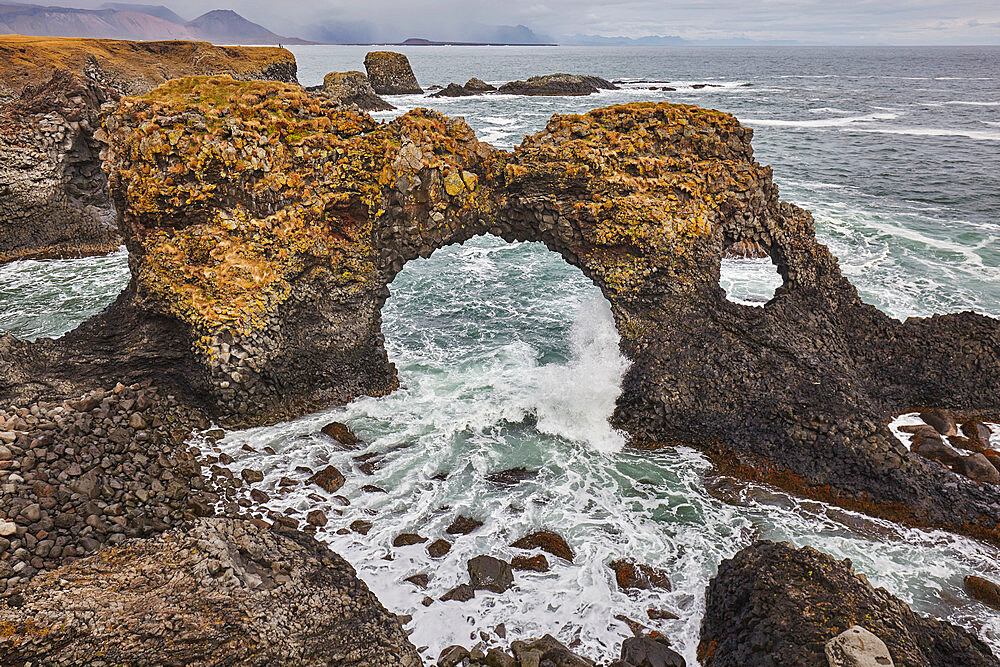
x: 508, y: 357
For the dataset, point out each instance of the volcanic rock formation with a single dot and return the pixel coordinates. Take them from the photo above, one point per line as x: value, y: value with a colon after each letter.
x: 264, y: 226
x: 218, y: 591
x: 558, y: 84
x: 772, y: 604
x: 354, y: 88
x: 53, y: 193
x: 390, y: 73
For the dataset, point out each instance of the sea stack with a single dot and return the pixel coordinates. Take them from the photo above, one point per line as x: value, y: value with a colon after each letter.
x: 390, y: 74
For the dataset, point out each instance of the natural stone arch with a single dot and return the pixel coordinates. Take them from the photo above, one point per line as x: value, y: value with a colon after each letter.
x: 263, y: 226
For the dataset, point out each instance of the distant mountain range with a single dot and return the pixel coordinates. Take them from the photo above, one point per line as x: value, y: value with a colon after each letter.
x: 118, y: 20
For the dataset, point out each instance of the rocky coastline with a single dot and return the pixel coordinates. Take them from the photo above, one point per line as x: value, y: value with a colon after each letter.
x: 54, y: 200
x: 264, y: 224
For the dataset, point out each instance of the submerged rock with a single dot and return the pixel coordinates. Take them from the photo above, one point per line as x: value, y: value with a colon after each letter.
x: 511, y: 476
x: 777, y: 605
x: 233, y: 593
x: 390, y: 73
x: 983, y: 590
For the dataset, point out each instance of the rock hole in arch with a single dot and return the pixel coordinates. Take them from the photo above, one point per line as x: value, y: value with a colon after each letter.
x: 749, y: 281
x: 493, y: 336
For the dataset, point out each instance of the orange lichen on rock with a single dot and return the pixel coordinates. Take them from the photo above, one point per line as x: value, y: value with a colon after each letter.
x: 32, y: 60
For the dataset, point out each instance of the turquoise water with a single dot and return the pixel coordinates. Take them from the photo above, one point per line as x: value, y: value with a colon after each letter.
x: 508, y: 357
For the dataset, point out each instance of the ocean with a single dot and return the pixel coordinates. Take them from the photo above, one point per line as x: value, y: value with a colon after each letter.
x: 508, y: 357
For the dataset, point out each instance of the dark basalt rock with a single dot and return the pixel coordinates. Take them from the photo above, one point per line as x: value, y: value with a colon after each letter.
x: 630, y: 575
x: 511, y: 476
x: 234, y: 594
x: 438, y: 548
x: 479, y: 86
x: 530, y: 563
x: 557, y: 84
x: 463, y: 525
x: 390, y: 73
x: 772, y: 604
x: 643, y: 198
x: 548, y: 541
x: 330, y: 479
x: 648, y: 652
x: 354, y: 88
x: 342, y: 434
x: 454, y: 90
x: 491, y: 574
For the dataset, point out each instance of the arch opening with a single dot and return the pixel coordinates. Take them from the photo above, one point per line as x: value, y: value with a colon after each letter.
x: 749, y: 281
x: 511, y: 326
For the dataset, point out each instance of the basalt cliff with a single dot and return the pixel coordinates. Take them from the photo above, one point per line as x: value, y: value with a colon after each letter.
x: 53, y: 193
x: 264, y: 226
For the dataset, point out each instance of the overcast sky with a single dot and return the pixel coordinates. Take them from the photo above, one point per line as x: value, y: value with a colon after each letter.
x: 829, y: 21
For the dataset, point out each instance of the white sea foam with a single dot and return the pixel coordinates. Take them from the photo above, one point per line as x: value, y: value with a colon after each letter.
x: 978, y: 135
x: 820, y: 122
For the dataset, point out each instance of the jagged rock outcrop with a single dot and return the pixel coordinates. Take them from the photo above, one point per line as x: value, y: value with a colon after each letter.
x: 218, y: 591
x: 354, y: 88
x: 390, y: 73
x: 454, y: 90
x: 53, y: 193
x: 773, y: 604
x: 557, y: 84
x: 264, y: 226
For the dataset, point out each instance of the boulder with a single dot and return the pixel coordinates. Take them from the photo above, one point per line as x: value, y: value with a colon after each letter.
x: 406, y: 539
x: 342, y: 434
x: 354, y: 88
x: 454, y: 90
x: 557, y: 84
x: 217, y: 591
x: 977, y: 468
x: 942, y: 422
x: 983, y: 590
x: 856, y: 647
x: 491, y: 574
x: 976, y: 430
x: 548, y: 648
x: 390, y: 73
x: 530, y: 563
x: 638, y: 576
x: 452, y: 655
x: 438, y: 548
x: 649, y: 652
x: 463, y: 525
x: 329, y: 479
x: 547, y: 541
x: 461, y: 593
x: 479, y: 86
x: 773, y: 604
x: 935, y: 450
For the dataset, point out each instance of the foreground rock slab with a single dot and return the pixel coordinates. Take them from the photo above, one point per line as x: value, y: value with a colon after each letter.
x: 772, y: 604
x: 234, y: 593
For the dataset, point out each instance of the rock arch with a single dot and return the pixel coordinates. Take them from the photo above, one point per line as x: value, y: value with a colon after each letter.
x: 264, y: 225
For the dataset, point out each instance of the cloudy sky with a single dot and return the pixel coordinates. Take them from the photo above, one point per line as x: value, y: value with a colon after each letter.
x: 826, y: 21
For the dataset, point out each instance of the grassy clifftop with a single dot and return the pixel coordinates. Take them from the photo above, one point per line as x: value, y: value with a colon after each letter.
x: 145, y: 65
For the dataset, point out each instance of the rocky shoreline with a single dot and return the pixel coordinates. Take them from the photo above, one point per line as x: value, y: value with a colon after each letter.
x: 264, y: 223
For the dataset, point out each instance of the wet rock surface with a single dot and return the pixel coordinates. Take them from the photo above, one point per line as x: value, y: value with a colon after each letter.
x: 390, y: 73
x: 53, y: 193
x: 776, y: 605
x: 233, y: 593
x: 643, y: 198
